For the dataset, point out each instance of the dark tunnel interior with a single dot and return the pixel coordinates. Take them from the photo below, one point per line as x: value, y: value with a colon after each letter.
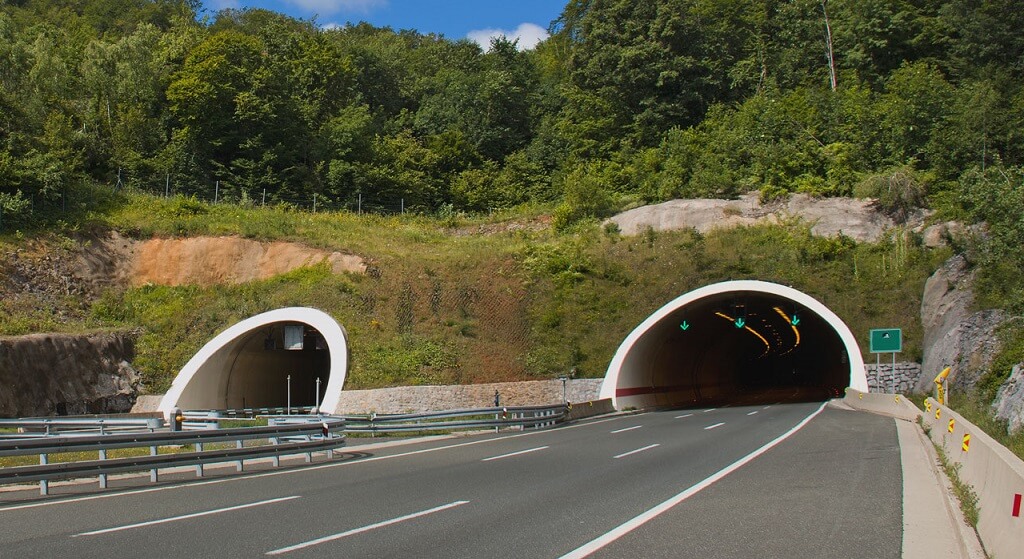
x: 276, y: 360
x: 740, y: 348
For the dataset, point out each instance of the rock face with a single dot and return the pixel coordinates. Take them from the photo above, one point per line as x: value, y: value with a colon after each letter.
x: 212, y: 260
x: 954, y: 335
x: 56, y: 374
x: 1009, y: 404
x: 116, y: 260
x: 855, y: 218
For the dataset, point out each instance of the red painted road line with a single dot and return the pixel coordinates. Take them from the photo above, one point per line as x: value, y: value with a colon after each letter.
x: 1016, y: 505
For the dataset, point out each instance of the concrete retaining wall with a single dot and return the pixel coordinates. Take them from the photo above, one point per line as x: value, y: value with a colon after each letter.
x: 995, y: 473
x: 412, y: 399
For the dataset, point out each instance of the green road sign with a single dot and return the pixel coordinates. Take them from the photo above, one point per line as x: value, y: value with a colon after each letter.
x: 684, y: 326
x: 886, y: 340
x: 740, y: 322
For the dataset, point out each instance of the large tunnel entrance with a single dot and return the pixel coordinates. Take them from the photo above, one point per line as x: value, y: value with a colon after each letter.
x: 270, y: 360
x: 735, y: 342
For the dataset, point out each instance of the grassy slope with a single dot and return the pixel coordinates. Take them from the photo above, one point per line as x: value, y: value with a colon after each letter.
x: 444, y: 308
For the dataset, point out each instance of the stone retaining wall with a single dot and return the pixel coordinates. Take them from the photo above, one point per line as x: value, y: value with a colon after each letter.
x: 907, y: 376
x: 412, y: 399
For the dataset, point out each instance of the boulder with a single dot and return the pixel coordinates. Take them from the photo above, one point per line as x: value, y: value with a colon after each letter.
x: 939, y: 235
x: 856, y: 218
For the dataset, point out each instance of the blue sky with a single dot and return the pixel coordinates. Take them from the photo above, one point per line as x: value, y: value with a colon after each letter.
x: 455, y: 19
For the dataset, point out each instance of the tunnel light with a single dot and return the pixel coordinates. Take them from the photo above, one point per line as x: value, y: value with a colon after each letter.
x: 793, y: 322
x: 741, y: 323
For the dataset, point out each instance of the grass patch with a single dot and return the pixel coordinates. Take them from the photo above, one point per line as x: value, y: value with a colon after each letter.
x: 62, y: 457
x: 965, y: 494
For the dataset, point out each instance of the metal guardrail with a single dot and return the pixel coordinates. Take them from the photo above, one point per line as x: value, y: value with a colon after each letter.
x: 288, y: 434
x: 315, y: 434
x: 522, y: 417
x: 35, y: 427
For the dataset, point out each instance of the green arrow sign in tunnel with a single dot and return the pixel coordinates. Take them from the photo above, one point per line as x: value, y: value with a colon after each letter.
x: 735, y: 342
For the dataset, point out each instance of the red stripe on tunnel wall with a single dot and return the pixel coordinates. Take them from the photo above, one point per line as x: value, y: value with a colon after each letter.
x: 619, y: 392
x: 1016, y: 505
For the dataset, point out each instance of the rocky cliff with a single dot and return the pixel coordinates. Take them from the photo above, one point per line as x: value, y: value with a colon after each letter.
x: 955, y: 334
x: 57, y: 374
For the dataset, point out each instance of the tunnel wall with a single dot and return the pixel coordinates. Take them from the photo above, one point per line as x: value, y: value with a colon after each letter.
x: 214, y: 377
x: 631, y: 381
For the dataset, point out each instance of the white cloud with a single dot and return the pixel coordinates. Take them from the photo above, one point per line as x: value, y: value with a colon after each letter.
x: 528, y: 34
x: 331, y: 7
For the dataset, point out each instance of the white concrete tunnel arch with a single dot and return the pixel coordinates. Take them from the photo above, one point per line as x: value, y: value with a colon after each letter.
x: 632, y: 381
x: 217, y: 374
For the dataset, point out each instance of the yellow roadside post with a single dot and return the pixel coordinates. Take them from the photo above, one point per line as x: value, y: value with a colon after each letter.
x: 940, y: 390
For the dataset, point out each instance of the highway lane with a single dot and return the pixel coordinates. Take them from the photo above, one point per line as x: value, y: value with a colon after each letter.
x: 541, y: 494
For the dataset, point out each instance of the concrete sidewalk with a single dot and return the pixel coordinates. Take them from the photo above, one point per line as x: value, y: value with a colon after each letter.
x: 933, y: 526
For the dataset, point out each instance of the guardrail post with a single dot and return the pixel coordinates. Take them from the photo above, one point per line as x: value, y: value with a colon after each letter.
x: 103, y: 477
x: 241, y: 463
x: 44, y: 484
x: 199, y: 467
x: 103, y: 456
x: 154, y: 474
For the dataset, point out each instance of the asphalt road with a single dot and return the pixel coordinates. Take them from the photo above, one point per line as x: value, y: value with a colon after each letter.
x: 686, y: 483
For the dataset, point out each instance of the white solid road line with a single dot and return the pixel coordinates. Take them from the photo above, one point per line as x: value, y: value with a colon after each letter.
x: 184, y: 517
x: 527, y: 451
x: 712, y: 409
x: 326, y: 539
x: 709, y: 427
x: 753, y: 412
x: 648, y: 447
x: 682, y: 416
x: 626, y: 429
x: 638, y: 521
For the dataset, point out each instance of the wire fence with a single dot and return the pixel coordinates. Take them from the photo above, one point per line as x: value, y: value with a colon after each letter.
x: 79, y: 201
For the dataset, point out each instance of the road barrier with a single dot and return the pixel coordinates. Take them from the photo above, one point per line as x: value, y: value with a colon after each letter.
x: 995, y: 474
x: 481, y: 418
x: 34, y: 427
x: 303, y: 436
x: 989, y: 468
x: 287, y: 434
x: 895, y: 405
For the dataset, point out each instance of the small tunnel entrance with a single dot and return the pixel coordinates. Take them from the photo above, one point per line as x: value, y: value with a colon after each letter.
x: 735, y: 343
x: 266, y: 361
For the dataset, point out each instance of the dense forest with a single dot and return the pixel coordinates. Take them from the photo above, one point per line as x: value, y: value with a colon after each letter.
x: 915, y: 102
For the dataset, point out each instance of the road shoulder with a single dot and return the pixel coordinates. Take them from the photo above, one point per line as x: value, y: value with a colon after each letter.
x: 933, y: 526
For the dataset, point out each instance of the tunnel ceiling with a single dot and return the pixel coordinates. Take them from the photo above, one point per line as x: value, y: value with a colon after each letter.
x: 732, y: 343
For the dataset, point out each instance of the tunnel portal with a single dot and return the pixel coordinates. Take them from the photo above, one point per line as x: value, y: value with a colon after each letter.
x: 266, y: 361
x: 735, y: 342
